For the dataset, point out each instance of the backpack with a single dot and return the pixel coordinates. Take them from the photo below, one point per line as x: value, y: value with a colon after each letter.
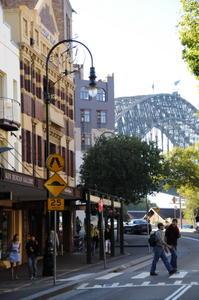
x: 152, y: 240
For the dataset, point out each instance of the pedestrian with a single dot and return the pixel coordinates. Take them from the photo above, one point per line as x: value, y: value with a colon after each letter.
x: 32, y: 253
x: 78, y: 225
x: 95, y: 238
x: 92, y: 239
x: 54, y: 237
x: 48, y: 264
x: 107, y: 236
x: 159, y: 251
x: 172, y: 234
x: 14, y: 255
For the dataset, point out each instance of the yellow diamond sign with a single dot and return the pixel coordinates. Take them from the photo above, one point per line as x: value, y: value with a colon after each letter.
x: 55, y: 185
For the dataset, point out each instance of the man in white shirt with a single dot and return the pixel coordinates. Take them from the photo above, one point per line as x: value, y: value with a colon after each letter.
x: 159, y: 251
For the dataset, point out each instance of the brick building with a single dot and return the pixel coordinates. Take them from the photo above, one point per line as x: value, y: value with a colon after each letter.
x: 36, y: 26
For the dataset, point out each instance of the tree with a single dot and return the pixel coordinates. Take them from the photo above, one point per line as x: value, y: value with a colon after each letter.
x: 122, y: 166
x: 189, y: 34
x: 182, y: 167
x: 183, y: 174
x: 192, y: 202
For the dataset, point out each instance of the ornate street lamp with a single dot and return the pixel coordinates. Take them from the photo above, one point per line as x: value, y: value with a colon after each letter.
x: 92, y: 92
x: 92, y: 86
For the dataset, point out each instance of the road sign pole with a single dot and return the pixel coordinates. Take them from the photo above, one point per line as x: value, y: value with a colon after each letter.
x: 55, y: 248
x: 103, y: 238
x: 55, y: 185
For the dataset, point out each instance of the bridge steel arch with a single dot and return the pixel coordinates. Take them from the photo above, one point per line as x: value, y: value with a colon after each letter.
x: 174, y: 116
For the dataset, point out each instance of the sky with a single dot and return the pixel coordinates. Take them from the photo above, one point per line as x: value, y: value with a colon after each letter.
x: 138, y: 42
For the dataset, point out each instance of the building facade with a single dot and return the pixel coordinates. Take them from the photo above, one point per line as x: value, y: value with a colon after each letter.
x: 10, y: 121
x: 93, y: 116
x: 36, y: 26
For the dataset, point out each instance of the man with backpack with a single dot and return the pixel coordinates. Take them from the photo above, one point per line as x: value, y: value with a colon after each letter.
x: 172, y: 234
x: 159, y: 251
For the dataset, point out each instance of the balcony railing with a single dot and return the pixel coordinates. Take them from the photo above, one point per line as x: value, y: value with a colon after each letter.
x: 9, y: 114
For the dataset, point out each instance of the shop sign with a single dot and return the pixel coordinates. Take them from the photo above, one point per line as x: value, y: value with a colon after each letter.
x: 18, y: 178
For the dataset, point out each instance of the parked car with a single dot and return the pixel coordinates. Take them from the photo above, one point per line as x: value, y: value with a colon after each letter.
x: 137, y: 226
x: 187, y: 226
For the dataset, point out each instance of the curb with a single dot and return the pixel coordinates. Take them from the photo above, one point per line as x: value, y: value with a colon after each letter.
x: 69, y: 286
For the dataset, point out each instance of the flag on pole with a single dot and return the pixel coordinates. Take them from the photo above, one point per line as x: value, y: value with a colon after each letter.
x: 176, y: 82
x: 153, y: 87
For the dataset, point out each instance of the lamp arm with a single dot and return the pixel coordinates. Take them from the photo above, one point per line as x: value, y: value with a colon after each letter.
x: 51, y: 50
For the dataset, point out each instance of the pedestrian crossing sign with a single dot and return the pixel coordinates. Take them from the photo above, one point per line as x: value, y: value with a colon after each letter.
x: 55, y: 162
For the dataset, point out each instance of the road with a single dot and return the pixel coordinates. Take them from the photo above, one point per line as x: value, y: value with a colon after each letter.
x: 136, y: 283
x: 124, y: 278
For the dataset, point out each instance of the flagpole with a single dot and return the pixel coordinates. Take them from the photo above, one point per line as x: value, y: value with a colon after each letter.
x: 153, y: 87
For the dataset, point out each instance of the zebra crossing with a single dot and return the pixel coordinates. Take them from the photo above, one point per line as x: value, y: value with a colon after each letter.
x: 134, y: 280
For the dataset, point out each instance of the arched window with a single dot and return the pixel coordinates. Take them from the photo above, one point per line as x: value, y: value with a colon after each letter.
x: 101, y: 96
x: 84, y: 95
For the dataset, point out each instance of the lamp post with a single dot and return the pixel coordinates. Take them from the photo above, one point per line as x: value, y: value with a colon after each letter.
x: 92, y: 87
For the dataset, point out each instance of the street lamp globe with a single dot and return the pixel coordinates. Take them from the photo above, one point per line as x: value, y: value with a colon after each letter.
x: 92, y: 90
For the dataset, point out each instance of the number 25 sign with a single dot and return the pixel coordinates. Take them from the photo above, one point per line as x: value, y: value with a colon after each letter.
x: 55, y: 204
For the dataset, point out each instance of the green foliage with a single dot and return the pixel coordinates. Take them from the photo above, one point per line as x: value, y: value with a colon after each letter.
x: 182, y: 168
x: 189, y: 34
x: 183, y: 174
x: 122, y: 166
x: 192, y: 202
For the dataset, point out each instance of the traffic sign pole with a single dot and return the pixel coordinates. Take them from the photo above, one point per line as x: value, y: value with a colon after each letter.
x: 55, y: 185
x: 55, y: 248
x: 103, y: 238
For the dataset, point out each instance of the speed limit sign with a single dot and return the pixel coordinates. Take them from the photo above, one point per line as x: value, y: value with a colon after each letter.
x: 55, y: 204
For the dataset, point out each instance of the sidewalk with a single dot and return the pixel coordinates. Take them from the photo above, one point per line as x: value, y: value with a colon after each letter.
x: 67, y: 266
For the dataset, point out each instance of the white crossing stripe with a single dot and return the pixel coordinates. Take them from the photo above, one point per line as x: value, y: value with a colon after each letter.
x: 141, y: 275
x: 77, y: 277
x: 177, y: 282
x: 109, y: 276
x: 145, y: 283
x: 178, y: 275
x: 161, y: 283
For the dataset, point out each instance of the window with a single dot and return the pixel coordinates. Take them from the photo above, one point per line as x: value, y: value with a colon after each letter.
x: 38, y: 83
x: 52, y: 148
x: 14, y: 89
x: 85, y: 116
x: 25, y: 27
x: 27, y: 75
x: 101, y: 96
x: 37, y: 37
x: 2, y: 84
x: 28, y: 148
x: 85, y: 141
x: 39, y: 151
x: 84, y: 95
x: 101, y: 117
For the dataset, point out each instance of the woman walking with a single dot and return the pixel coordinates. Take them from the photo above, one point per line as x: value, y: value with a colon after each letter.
x: 14, y: 255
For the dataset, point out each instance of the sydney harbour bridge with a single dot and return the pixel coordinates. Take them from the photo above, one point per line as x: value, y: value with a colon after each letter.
x: 167, y: 119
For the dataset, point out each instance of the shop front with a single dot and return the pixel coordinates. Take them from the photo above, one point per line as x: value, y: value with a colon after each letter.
x: 25, y: 212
